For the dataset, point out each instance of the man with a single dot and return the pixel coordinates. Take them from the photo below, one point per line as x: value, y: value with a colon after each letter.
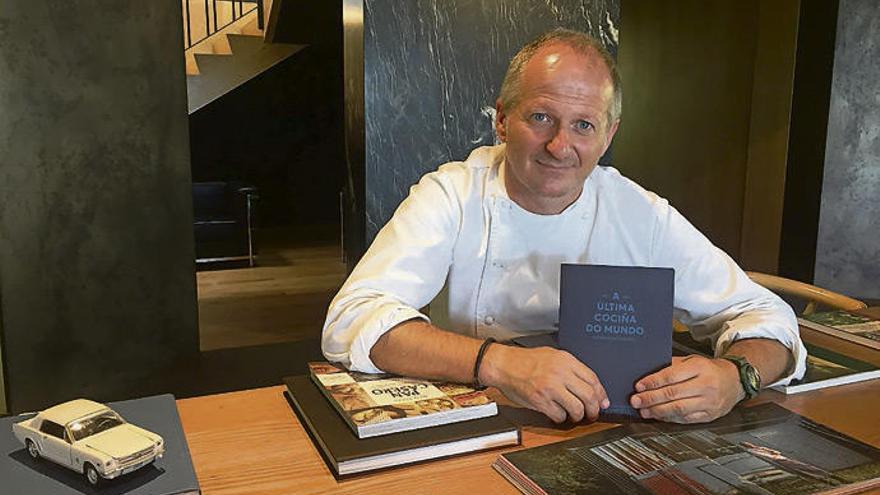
x: 492, y: 231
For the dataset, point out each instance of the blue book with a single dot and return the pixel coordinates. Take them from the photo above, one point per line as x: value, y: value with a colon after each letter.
x: 618, y: 321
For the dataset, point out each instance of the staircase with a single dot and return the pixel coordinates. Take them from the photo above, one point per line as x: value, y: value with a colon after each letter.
x: 230, y: 55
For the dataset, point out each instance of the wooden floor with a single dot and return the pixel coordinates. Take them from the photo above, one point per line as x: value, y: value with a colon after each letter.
x: 284, y: 299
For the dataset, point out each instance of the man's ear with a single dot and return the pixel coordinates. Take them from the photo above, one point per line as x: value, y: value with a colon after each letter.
x: 611, y: 132
x: 500, y: 120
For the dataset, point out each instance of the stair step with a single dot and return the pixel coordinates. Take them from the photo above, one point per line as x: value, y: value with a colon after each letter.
x: 243, y: 44
x: 219, y: 43
x: 220, y: 74
x: 252, y: 28
x: 208, y: 62
x: 192, y: 68
x: 220, y: 46
x: 215, y: 45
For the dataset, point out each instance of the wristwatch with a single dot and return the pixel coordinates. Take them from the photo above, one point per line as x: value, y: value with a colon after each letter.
x: 749, y: 377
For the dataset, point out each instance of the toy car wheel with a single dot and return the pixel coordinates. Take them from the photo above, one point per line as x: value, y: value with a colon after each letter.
x: 92, y: 475
x: 32, y: 449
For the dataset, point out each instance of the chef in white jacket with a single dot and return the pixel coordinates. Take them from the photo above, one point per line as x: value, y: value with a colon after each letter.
x: 482, y: 241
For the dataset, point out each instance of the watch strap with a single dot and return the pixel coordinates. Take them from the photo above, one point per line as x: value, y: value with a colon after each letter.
x: 749, y: 377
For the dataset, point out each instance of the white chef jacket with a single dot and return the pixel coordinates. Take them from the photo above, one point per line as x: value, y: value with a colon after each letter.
x: 490, y: 268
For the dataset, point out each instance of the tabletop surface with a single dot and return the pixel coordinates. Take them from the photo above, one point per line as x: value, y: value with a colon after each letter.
x: 251, y: 442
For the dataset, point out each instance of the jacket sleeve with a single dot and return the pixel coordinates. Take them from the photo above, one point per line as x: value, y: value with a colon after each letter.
x: 715, y: 298
x: 403, y: 270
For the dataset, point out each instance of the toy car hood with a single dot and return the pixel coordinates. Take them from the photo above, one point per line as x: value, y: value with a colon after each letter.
x: 121, y: 441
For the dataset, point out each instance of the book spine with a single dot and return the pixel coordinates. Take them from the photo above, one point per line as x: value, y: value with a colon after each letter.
x: 342, y: 412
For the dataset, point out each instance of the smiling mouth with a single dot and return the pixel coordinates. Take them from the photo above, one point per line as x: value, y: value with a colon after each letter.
x: 553, y: 167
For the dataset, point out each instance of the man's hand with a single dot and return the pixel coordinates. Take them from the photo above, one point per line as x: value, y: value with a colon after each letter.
x: 547, y: 380
x: 694, y: 389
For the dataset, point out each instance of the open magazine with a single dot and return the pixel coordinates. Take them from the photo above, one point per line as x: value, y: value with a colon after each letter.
x: 764, y: 449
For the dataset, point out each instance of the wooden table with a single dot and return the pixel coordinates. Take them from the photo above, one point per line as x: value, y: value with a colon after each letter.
x: 251, y: 442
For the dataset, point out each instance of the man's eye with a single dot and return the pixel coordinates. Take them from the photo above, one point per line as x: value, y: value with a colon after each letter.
x: 540, y: 117
x: 583, y: 125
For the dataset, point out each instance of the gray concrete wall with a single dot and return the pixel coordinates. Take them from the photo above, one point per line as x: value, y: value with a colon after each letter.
x: 848, y: 248
x: 96, y: 248
x: 432, y: 71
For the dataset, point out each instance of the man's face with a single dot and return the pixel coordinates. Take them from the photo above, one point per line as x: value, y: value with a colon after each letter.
x: 558, y: 129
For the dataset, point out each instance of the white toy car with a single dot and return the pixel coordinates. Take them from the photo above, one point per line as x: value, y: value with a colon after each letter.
x: 89, y: 438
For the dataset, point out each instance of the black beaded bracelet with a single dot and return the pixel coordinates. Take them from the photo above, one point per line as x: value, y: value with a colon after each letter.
x: 482, y: 352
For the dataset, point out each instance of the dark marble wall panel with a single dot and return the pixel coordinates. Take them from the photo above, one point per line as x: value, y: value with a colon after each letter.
x: 432, y: 74
x: 96, y: 242
x: 848, y: 248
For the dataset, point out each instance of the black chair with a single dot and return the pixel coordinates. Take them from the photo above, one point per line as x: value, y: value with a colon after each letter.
x: 224, y: 221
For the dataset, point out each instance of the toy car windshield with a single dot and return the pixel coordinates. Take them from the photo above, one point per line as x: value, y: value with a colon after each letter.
x: 87, y: 427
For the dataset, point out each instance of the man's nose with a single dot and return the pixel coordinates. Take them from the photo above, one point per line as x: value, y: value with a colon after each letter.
x: 559, y: 145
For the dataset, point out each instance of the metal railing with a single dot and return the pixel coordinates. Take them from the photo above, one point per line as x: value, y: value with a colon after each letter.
x: 218, y: 14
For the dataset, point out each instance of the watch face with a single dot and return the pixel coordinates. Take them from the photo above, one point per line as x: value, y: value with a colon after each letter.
x: 752, y: 381
x: 752, y: 375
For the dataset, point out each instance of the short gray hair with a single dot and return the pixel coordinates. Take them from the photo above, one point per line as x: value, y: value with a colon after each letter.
x: 581, y: 43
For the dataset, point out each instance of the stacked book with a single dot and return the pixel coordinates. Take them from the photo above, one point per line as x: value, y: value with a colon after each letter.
x: 856, y: 333
x: 825, y: 366
x: 363, y: 422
